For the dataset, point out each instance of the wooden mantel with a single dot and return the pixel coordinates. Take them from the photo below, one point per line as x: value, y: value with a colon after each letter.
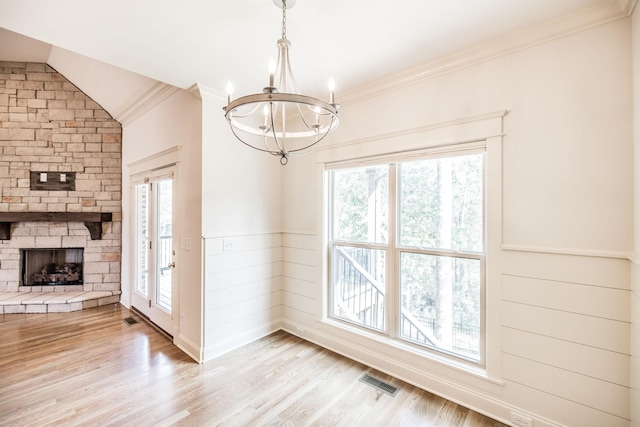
x: 92, y: 220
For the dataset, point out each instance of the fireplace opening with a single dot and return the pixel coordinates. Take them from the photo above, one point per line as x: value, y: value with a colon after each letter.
x: 50, y: 267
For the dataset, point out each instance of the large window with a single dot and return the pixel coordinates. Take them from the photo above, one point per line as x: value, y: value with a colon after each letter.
x: 407, y: 251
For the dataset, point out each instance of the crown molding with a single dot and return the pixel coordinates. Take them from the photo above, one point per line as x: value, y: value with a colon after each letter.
x: 584, y: 19
x: 568, y: 24
x: 147, y: 96
x: 416, y: 130
x: 627, y: 6
x: 206, y: 93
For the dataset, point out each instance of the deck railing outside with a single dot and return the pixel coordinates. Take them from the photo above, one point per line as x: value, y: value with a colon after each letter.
x: 359, y: 297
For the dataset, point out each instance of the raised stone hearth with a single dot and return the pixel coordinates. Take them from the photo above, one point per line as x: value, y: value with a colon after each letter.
x: 54, y: 301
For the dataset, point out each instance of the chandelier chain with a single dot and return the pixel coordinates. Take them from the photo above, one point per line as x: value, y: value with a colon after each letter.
x: 284, y: 19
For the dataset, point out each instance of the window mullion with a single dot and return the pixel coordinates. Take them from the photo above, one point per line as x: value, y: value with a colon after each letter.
x: 442, y: 252
x: 379, y: 246
x: 392, y: 307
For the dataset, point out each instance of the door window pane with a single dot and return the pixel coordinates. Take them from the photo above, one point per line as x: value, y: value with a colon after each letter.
x: 165, y: 238
x: 440, y: 302
x: 142, y: 238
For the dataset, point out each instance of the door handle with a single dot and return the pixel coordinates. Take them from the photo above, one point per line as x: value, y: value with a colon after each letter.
x: 172, y: 265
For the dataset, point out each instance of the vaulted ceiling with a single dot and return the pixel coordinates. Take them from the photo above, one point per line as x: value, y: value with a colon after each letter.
x: 357, y: 42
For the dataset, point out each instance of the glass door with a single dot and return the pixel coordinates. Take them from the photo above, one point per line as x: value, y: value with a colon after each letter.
x: 142, y: 243
x: 164, y: 252
x: 153, y: 242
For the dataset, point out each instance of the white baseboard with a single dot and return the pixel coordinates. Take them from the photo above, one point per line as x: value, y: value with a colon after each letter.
x: 443, y: 387
x: 239, y: 340
x: 192, y: 350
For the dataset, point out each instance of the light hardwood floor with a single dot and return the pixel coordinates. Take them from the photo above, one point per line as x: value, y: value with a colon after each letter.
x: 91, y: 368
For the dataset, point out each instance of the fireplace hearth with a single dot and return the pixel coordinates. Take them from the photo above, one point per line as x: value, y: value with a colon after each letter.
x: 51, y: 267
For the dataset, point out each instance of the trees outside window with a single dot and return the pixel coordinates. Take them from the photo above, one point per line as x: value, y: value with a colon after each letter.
x: 415, y: 230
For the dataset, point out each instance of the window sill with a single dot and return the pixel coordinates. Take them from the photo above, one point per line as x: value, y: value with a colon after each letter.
x: 447, y: 363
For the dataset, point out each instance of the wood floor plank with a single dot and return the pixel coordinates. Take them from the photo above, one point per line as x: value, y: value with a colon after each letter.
x: 91, y: 368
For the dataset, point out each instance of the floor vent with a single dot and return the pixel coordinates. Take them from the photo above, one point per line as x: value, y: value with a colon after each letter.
x: 130, y: 320
x: 380, y: 385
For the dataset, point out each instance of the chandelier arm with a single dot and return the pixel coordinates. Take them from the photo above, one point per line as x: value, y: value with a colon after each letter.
x: 309, y: 146
x: 266, y: 144
x: 242, y: 116
x: 283, y: 128
x: 266, y: 141
x: 312, y: 108
x: 275, y: 153
x: 273, y: 131
x: 289, y: 72
x: 279, y: 68
x: 304, y: 120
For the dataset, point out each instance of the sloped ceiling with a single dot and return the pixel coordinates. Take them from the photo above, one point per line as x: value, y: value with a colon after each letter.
x: 357, y: 42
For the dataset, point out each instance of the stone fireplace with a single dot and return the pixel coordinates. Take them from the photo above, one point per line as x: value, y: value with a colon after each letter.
x: 101, y: 258
x: 47, y: 125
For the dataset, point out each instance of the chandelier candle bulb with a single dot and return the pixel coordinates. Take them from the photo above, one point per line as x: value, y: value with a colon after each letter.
x: 272, y: 71
x: 332, y: 88
x: 265, y: 110
x: 229, y: 91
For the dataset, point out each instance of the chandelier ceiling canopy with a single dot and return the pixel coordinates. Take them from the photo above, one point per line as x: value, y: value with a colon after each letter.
x: 281, y: 121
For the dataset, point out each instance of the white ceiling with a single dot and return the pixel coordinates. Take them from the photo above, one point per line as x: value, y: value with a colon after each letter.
x: 212, y: 41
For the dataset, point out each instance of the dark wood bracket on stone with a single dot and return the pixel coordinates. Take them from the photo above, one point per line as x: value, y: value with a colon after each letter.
x: 92, y: 220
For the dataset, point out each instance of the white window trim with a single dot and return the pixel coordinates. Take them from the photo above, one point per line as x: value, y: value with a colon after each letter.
x: 485, y: 130
x: 393, y: 249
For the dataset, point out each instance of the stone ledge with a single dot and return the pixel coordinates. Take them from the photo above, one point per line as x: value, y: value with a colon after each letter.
x: 54, y: 302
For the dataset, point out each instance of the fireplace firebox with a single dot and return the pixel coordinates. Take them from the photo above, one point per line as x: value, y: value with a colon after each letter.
x: 50, y: 267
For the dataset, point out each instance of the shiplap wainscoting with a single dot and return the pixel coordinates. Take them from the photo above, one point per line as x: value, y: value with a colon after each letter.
x: 566, y: 323
x: 635, y: 340
x: 565, y: 326
x: 302, y: 290
x: 242, y: 296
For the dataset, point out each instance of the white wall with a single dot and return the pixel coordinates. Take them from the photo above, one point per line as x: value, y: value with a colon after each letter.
x: 564, y: 319
x: 635, y: 266
x: 108, y: 85
x: 562, y: 272
x: 174, y: 122
x: 155, y: 117
x: 241, y: 205
x: 227, y: 191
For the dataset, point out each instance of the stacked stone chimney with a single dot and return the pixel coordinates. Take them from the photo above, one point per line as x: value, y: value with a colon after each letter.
x: 49, y: 125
